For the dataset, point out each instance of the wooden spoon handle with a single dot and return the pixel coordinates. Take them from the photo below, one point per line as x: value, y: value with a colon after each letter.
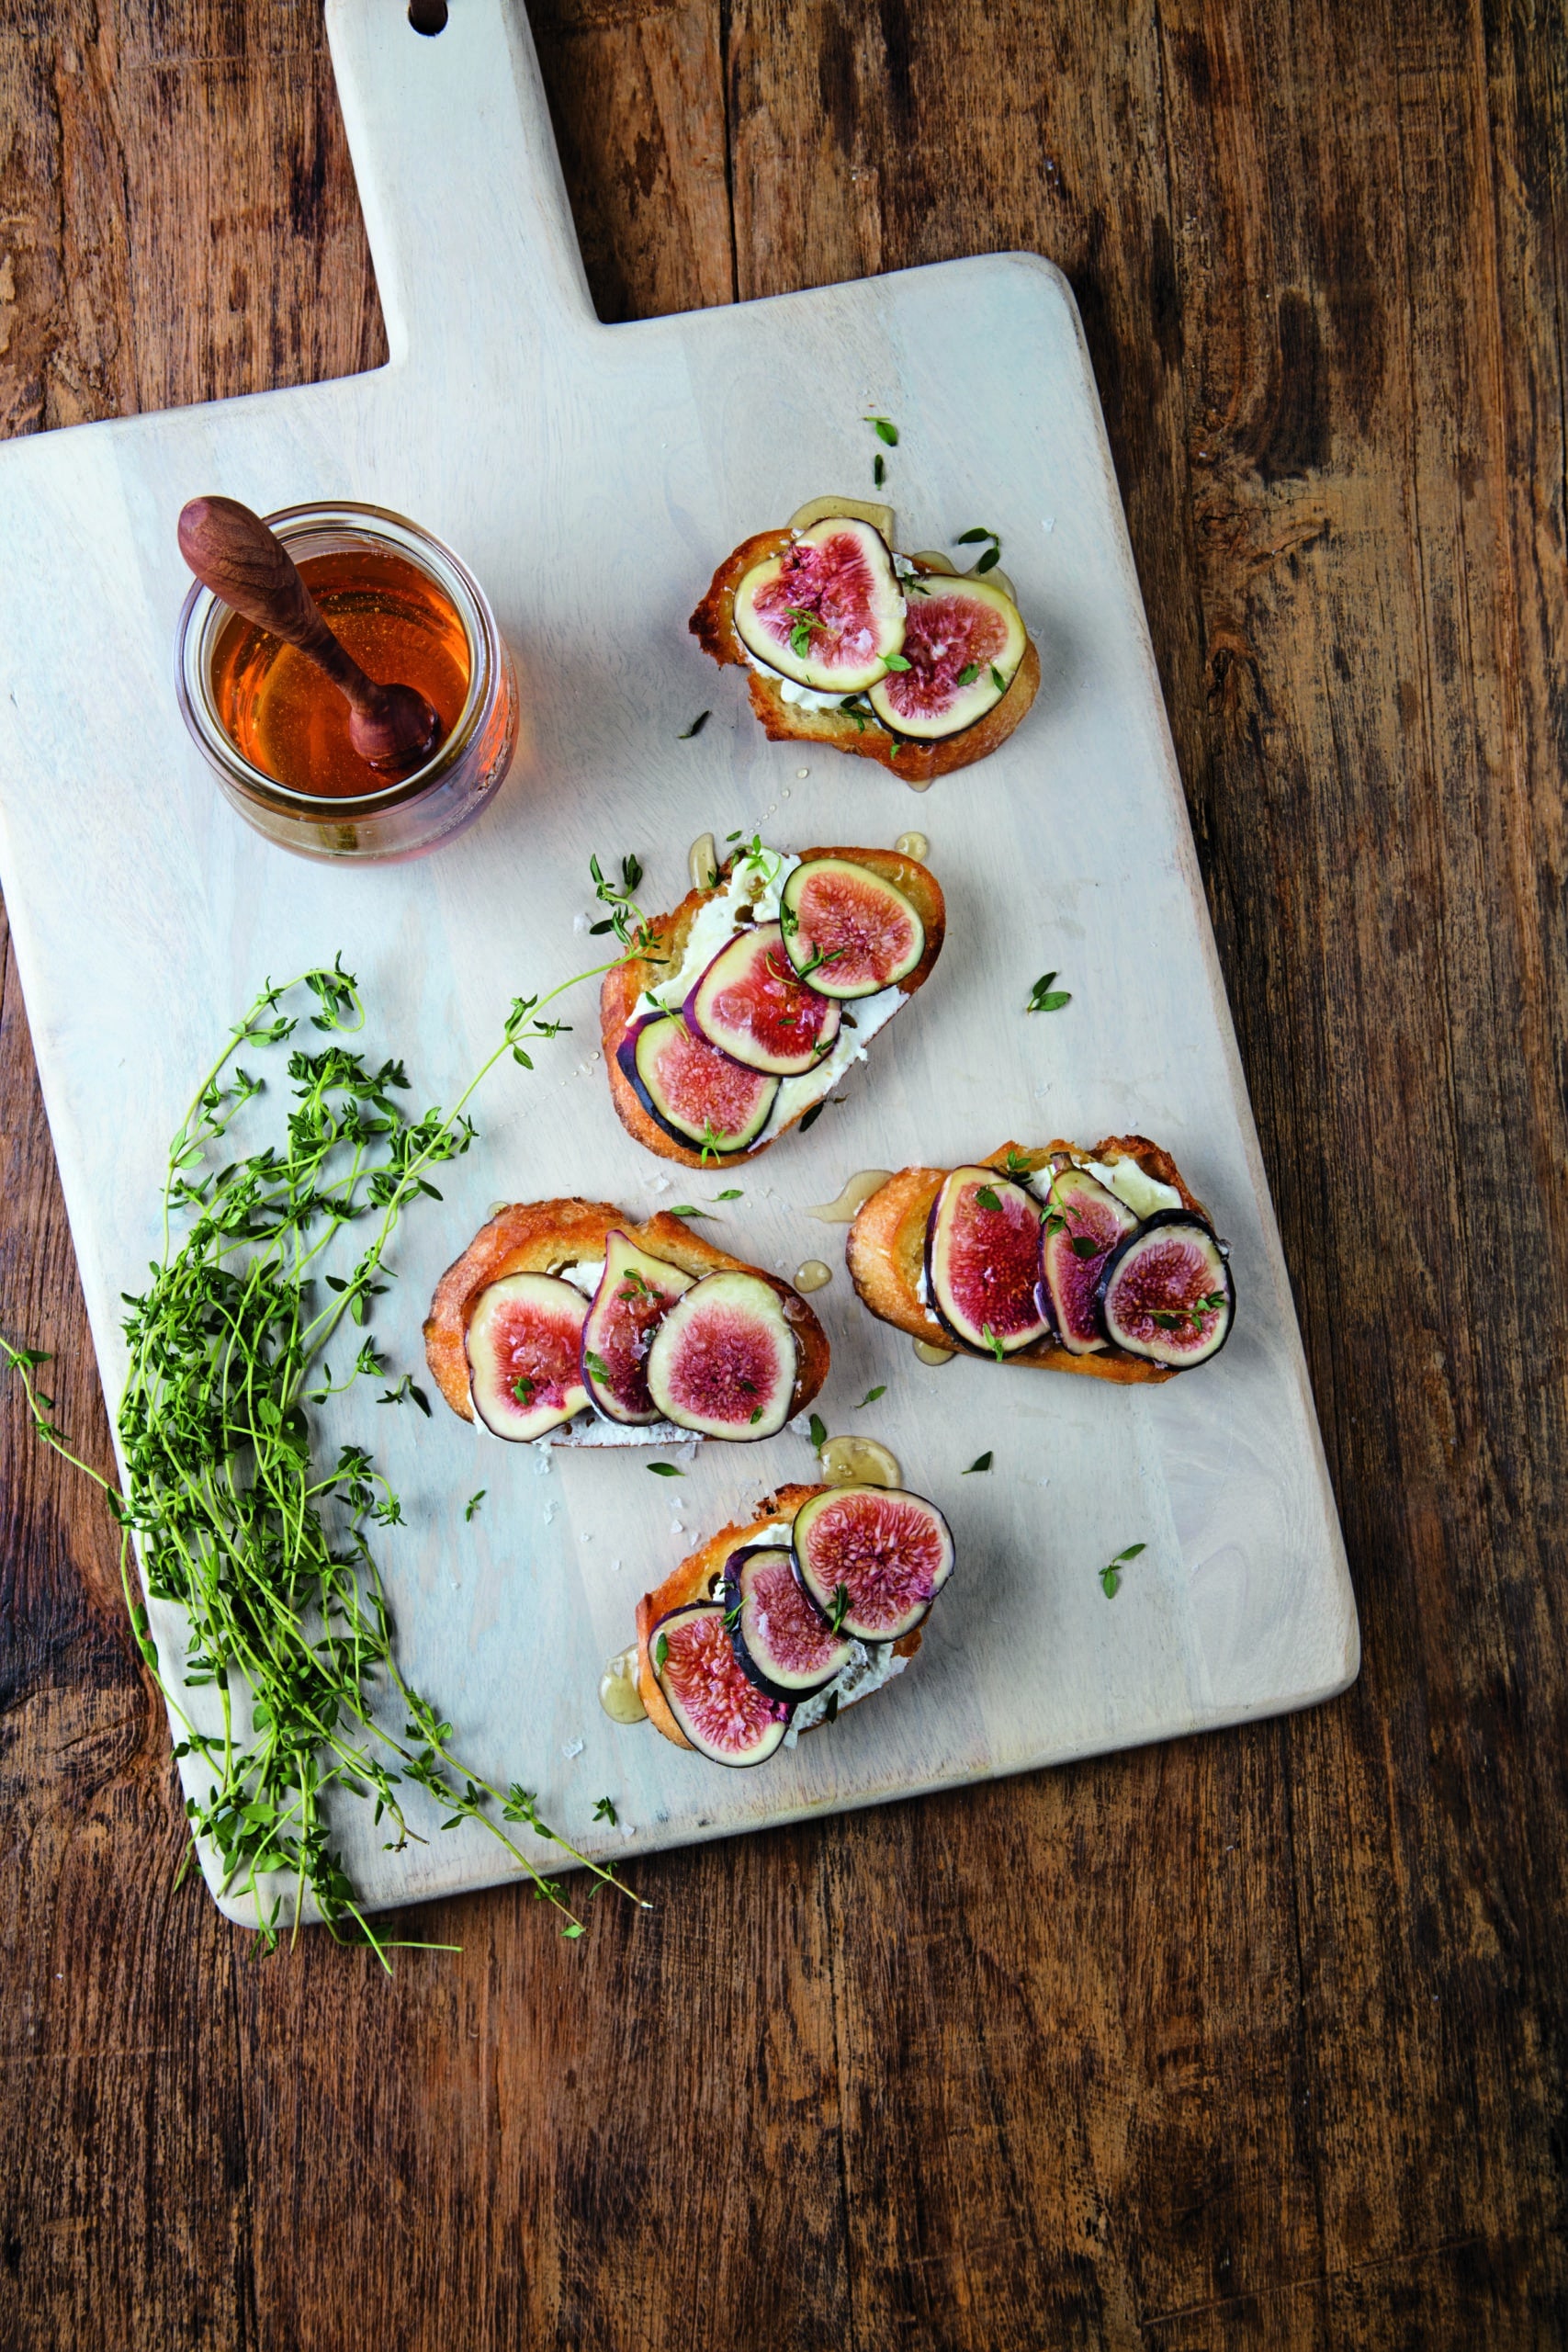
x: 231, y: 551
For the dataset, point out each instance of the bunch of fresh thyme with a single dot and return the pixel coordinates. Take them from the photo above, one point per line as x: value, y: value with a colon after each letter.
x: 260, y: 1544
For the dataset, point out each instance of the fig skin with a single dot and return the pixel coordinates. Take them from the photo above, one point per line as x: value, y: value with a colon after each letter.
x: 1079, y: 1202
x: 688, y: 1332
x: 885, y: 1252
x: 623, y: 987
x: 734, y: 972
x: 947, y: 1215
x: 1168, y: 1221
x: 838, y: 1647
x: 620, y: 1321
x: 538, y: 1237
x: 627, y: 1060
x: 804, y: 934
x: 819, y: 1587
x: 713, y: 626
x: 703, y: 1622
x: 691, y: 1581
x: 766, y: 602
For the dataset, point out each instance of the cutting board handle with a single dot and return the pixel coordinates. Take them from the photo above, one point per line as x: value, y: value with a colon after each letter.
x: 476, y: 257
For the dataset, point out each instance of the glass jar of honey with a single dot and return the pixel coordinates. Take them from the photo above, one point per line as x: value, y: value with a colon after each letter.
x: 274, y: 729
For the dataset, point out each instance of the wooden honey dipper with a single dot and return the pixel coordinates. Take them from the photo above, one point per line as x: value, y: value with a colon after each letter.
x: 231, y: 551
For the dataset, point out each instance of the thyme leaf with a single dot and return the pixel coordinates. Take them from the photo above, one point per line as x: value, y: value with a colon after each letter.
x: 1043, y: 997
x: 1111, y: 1575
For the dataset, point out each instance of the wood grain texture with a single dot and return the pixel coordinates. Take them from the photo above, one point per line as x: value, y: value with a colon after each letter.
x: 1256, y: 2040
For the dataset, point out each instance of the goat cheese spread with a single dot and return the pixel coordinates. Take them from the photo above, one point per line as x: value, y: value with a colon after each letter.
x: 871, y: 1665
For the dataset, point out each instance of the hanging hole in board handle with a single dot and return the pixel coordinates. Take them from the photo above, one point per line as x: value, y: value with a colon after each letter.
x: 428, y: 16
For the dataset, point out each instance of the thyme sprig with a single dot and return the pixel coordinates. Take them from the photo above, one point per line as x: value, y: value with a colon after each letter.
x: 237, y: 1521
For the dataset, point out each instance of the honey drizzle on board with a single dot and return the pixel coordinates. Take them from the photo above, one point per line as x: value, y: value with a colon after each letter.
x: 618, y: 1693
x: 812, y: 1275
x: 857, y: 1191
x: 913, y: 846
x: 858, y: 1462
x: 929, y: 1353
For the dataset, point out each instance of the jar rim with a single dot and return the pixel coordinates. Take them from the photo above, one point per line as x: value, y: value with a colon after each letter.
x: 203, y: 616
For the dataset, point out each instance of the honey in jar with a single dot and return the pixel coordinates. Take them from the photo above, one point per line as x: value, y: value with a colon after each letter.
x: 287, y: 719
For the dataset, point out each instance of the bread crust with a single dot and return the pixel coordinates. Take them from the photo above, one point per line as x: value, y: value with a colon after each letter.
x: 690, y: 1582
x: 885, y: 1254
x: 713, y: 626
x: 622, y: 989
x: 536, y: 1237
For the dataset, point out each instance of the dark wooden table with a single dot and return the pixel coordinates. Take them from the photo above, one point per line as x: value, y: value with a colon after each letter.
x: 1253, y: 2041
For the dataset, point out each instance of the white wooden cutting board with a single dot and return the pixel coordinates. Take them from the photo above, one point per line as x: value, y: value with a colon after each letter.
x: 591, y: 477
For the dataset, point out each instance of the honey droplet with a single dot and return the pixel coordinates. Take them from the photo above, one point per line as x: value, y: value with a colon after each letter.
x: 618, y: 1693
x: 702, y: 862
x: 919, y: 783
x: 858, y: 1462
x: 913, y: 846
x: 929, y: 1353
x: 853, y: 1197
x: 813, y: 1275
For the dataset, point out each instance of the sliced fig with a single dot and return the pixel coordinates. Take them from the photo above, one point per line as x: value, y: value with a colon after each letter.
x: 720, y: 1710
x: 983, y: 1260
x: 752, y: 1006
x: 723, y: 1360
x: 1084, y: 1223
x: 963, y: 643
x: 691, y: 1090
x: 635, y: 1294
x: 784, y: 1643
x: 523, y: 1342
x: 872, y: 1559
x: 846, y: 929
x: 1167, y: 1294
x: 829, y: 611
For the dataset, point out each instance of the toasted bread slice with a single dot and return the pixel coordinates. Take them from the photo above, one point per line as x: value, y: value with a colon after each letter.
x: 621, y: 993
x: 693, y: 1580
x: 541, y: 1237
x: 885, y: 1252
x: 919, y: 763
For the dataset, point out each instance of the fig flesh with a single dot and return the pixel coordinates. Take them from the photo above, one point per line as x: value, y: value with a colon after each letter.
x: 721, y: 1712
x: 523, y: 1342
x: 782, y: 1641
x: 829, y: 611
x: 723, y: 1360
x: 872, y: 1559
x: 635, y: 1294
x: 962, y: 643
x: 696, y: 1094
x: 848, y: 931
x: 752, y: 1006
x: 1167, y: 1292
x: 983, y: 1260
x: 1084, y: 1223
